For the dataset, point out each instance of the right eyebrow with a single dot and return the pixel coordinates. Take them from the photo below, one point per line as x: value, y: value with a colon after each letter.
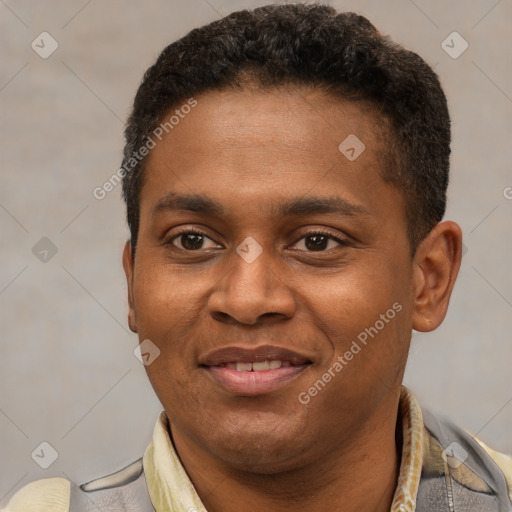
x: 295, y: 207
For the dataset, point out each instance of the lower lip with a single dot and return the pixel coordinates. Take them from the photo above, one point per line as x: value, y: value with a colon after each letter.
x: 254, y: 383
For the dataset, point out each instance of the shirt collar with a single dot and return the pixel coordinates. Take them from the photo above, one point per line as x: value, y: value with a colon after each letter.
x: 171, y: 489
x: 168, y: 484
x: 411, y: 464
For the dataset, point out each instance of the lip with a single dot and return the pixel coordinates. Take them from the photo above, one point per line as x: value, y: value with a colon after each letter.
x: 253, y: 383
x: 235, y: 354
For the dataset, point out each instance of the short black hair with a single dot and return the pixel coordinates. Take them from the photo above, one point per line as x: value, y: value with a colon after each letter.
x: 314, y: 45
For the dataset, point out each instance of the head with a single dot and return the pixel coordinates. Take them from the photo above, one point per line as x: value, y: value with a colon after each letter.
x: 288, y: 207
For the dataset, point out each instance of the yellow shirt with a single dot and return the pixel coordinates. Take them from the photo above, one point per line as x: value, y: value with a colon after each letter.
x: 170, y: 488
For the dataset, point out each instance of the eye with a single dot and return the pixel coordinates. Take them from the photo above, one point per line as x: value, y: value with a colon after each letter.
x: 318, y: 241
x: 190, y: 241
x: 315, y: 241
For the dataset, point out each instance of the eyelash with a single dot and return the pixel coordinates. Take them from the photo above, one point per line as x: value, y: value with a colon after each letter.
x: 169, y: 242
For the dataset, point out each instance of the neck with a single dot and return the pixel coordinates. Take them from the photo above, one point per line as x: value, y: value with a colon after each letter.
x: 360, y: 475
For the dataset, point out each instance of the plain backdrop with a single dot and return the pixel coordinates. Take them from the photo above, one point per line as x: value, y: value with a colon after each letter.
x: 68, y: 375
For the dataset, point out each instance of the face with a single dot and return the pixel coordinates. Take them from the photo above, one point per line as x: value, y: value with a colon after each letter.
x: 273, y: 273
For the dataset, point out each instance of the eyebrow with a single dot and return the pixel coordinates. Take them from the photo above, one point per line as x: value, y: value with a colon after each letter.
x: 295, y: 207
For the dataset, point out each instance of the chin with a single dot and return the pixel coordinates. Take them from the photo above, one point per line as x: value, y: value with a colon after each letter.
x: 262, y: 460
x: 260, y: 448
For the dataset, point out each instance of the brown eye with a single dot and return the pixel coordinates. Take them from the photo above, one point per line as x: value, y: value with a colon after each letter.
x: 319, y: 242
x: 190, y: 241
x: 316, y: 242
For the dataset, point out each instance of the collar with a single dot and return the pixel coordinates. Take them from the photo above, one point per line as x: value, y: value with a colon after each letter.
x: 171, y: 489
x: 411, y: 464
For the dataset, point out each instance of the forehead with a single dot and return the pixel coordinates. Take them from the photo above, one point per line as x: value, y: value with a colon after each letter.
x: 261, y: 144
x: 298, y: 116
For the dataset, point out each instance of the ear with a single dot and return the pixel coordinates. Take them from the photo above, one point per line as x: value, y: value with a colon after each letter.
x: 436, y: 266
x: 129, y: 271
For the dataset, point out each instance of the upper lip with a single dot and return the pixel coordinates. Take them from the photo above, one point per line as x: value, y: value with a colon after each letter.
x: 252, y: 355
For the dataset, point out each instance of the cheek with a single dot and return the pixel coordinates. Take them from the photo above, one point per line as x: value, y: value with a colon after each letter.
x: 353, y: 298
x: 162, y: 301
x: 166, y: 310
x: 364, y: 314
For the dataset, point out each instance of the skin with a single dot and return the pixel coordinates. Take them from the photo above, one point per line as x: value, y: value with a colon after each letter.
x: 248, y: 150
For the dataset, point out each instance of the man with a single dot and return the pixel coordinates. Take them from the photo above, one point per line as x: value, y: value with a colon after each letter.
x: 285, y: 176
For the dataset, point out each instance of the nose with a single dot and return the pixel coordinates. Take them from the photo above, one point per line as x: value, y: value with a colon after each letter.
x: 250, y: 290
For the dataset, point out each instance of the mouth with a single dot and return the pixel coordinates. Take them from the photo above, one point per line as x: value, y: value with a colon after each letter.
x: 252, y: 372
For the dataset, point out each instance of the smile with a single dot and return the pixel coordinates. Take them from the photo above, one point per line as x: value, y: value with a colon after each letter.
x: 253, y: 371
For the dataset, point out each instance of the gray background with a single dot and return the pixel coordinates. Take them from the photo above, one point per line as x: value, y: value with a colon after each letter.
x: 68, y: 375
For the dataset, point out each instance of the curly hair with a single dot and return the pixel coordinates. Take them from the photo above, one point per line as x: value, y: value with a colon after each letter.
x: 312, y: 45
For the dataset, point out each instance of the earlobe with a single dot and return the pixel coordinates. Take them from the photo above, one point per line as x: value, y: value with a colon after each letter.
x: 129, y: 270
x: 436, y: 266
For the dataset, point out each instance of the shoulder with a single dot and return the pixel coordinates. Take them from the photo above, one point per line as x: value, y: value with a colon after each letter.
x: 123, y: 490
x: 48, y: 494
x: 450, y: 448
x: 503, y: 461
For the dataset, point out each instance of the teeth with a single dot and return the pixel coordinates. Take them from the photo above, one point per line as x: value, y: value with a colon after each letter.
x: 263, y: 365
x: 258, y: 366
x: 244, y: 367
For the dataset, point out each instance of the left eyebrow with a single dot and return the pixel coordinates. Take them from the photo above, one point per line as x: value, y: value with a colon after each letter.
x: 312, y: 205
x: 295, y: 207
